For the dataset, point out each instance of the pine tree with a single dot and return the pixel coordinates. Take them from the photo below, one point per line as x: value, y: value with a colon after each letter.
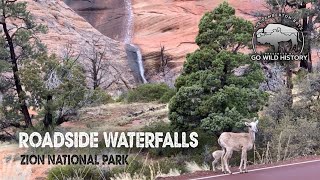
x: 17, y: 43
x: 57, y: 87
x: 219, y: 85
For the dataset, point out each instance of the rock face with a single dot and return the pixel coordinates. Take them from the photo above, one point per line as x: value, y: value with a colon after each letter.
x: 65, y: 27
x: 107, y: 16
x: 174, y: 25
x: 113, y: 18
x: 170, y: 25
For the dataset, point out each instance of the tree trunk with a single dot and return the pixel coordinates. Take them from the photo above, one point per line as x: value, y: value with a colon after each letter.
x: 306, y: 32
x: 48, y: 117
x: 95, y: 74
x: 289, y: 77
x: 223, y: 79
x: 20, y: 92
x: 289, y: 84
x: 309, y: 59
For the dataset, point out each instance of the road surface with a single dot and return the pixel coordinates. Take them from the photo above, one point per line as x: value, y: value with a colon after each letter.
x: 309, y: 170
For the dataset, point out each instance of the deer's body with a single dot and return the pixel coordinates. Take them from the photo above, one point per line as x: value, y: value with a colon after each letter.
x: 237, y: 142
x: 217, y: 155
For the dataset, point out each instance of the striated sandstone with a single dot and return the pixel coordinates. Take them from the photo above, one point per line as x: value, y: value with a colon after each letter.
x: 169, y: 23
x: 174, y: 24
x: 107, y: 16
x: 65, y: 26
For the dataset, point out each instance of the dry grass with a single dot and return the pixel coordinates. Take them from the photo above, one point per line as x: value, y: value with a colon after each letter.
x: 172, y: 172
x: 110, y: 117
x: 127, y: 176
x: 193, y: 167
x: 118, y: 117
x: 13, y: 170
x: 10, y: 167
x: 79, y: 173
x: 137, y: 176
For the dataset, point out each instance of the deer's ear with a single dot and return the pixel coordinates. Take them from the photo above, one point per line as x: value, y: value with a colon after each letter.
x: 257, y: 121
x: 247, y: 124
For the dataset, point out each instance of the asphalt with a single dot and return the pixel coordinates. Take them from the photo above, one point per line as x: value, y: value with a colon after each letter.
x: 309, y: 170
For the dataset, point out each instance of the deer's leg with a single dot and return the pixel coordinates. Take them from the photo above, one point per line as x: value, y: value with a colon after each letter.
x: 222, y: 164
x: 229, y: 159
x: 245, y: 162
x: 242, y: 160
x: 214, y: 163
x: 241, y: 164
x: 223, y: 169
x: 226, y: 158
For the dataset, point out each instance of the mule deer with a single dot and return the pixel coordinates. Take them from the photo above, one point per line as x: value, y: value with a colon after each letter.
x: 238, y: 142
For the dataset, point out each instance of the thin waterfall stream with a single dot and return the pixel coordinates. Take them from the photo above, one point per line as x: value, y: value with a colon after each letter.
x: 133, y: 51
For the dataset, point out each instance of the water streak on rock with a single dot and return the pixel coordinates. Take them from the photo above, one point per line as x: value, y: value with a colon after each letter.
x: 128, y: 36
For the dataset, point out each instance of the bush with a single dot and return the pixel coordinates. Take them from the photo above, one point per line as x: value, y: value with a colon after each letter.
x: 148, y: 169
x: 77, y: 172
x: 207, y: 143
x: 167, y: 96
x: 290, y: 123
x: 160, y: 152
x: 300, y: 76
x: 99, y: 96
x: 216, y: 83
x: 290, y: 137
x: 149, y: 93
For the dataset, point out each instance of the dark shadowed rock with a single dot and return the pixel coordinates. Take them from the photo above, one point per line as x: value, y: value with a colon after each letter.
x: 107, y: 16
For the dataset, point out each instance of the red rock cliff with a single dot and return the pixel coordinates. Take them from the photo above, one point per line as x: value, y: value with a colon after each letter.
x: 174, y: 25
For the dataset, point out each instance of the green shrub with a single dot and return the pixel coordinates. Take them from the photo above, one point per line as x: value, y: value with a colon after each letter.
x: 150, y: 92
x: 149, y: 168
x: 122, y: 97
x: 300, y: 76
x: 77, y: 172
x: 160, y: 152
x: 100, y: 96
x: 167, y: 96
x: 134, y: 166
x: 290, y: 123
x: 217, y: 84
x: 207, y: 143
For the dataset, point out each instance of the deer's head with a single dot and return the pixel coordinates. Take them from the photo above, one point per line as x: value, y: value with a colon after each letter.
x: 253, y: 126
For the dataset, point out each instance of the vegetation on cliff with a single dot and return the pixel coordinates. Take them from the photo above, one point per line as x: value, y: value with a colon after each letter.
x: 217, y: 90
x: 18, y: 43
x: 219, y: 85
x: 30, y: 77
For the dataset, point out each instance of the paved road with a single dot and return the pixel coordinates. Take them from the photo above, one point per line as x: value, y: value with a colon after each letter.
x: 309, y: 170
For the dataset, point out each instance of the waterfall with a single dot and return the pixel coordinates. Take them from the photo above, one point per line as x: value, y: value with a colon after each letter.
x: 128, y: 37
x: 141, y: 68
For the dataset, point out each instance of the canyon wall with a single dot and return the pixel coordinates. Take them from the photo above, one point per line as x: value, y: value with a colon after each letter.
x: 66, y: 27
x: 168, y: 24
x: 113, y: 18
x: 174, y: 25
x: 107, y: 16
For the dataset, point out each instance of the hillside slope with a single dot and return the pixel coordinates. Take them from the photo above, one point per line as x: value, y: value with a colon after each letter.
x: 65, y: 26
